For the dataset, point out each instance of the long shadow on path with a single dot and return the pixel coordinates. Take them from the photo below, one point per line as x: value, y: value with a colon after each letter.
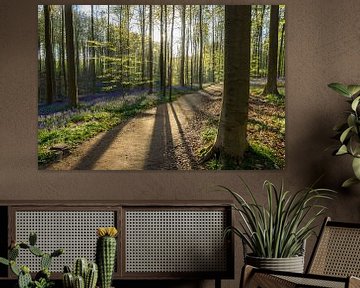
x: 89, y: 160
x: 161, y: 151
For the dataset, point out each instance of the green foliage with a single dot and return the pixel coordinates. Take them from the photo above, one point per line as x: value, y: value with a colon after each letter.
x: 209, y: 134
x: 278, y: 100
x: 91, y: 120
x: 260, y: 157
x: 279, y: 229
x: 349, y: 132
x: 42, y: 278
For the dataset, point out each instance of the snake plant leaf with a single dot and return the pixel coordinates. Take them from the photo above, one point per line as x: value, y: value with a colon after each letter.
x: 342, y: 150
x: 340, y: 88
x: 356, y: 167
x: 355, y: 103
x: 349, y: 182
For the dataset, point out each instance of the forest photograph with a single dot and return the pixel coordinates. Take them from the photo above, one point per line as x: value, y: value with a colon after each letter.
x: 161, y: 87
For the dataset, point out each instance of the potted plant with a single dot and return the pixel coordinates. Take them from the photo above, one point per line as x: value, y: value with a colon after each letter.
x: 276, y: 233
x: 42, y: 278
x: 349, y: 132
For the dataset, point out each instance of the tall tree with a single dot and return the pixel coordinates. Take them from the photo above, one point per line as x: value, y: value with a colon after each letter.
x: 92, y: 52
x: 63, y: 47
x: 70, y: 52
x: 171, y: 51
x: 271, y: 84
x: 281, y: 52
x: 231, y: 143
x: 182, y: 60
x: 150, y: 51
x: 165, y: 50
x: 49, y: 57
x: 161, y: 56
x: 213, y: 44
x: 201, y: 48
x: 142, y: 44
x: 260, y: 40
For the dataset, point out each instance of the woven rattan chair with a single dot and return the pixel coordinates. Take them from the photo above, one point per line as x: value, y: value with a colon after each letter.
x: 334, y: 263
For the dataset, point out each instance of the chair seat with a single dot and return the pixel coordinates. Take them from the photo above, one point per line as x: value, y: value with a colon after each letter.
x: 315, y: 282
x: 263, y: 278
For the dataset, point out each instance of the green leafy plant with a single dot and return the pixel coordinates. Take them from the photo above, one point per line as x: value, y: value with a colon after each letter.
x: 279, y: 229
x: 42, y: 278
x: 349, y: 132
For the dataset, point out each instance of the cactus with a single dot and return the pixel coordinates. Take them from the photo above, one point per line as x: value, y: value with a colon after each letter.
x: 89, y: 272
x: 32, y: 238
x: 91, y: 276
x: 105, y: 254
x: 24, y: 280
x: 13, y: 253
x: 45, y: 261
x: 80, y: 267
x: 68, y: 280
x: 36, y: 251
x: 23, y: 273
x: 79, y: 282
x: 14, y: 268
x: 4, y: 261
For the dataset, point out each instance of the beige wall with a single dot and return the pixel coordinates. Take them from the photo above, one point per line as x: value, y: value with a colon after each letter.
x: 323, y: 46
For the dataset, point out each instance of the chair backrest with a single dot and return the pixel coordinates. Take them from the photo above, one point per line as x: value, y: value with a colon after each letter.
x: 337, y: 251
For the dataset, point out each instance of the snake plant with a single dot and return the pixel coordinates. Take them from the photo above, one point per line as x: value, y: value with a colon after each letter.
x: 349, y: 132
x: 279, y: 228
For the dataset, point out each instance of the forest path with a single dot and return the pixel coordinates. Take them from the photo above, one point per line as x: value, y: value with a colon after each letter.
x: 159, y: 138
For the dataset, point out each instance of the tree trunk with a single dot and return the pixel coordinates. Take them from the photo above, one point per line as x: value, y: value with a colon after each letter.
x: 128, y: 43
x: 260, y: 50
x: 171, y: 52
x: 71, y: 69
x: 92, y: 49
x: 150, y: 51
x: 182, y: 61
x: 271, y: 84
x: 63, y: 47
x: 213, y: 80
x: 191, y: 48
x: 281, y: 52
x: 200, y: 48
x: 165, y: 51
x: 143, y: 45
x: 231, y: 142
x: 49, y: 57
x: 161, y: 56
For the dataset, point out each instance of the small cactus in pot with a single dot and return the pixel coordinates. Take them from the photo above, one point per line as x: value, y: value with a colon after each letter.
x: 85, y: 275
x: 106, y: 254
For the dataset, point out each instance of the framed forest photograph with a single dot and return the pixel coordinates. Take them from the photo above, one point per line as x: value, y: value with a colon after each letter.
x: 161, y: 87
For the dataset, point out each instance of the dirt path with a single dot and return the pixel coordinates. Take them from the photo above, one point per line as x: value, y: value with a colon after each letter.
x: 159, y: 138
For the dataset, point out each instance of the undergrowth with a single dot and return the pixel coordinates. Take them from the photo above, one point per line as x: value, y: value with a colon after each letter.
x: 72, y: 127
x: 266, y: 132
